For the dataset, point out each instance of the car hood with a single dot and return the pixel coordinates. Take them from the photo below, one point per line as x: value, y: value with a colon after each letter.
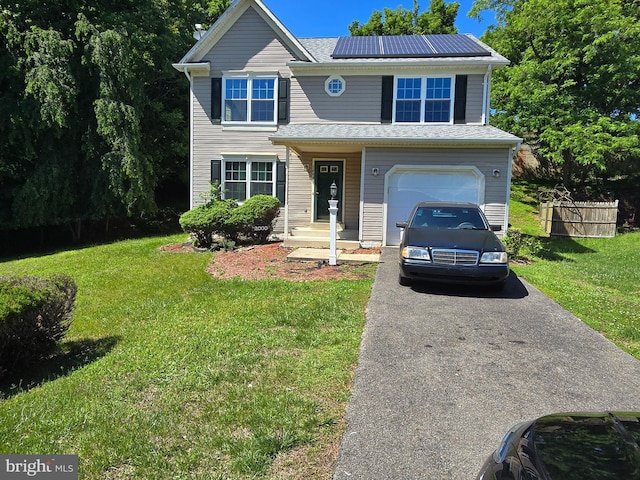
x: 461, y: 239
x: 578, y: 446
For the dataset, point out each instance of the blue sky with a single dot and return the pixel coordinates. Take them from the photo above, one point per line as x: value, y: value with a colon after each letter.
x: 315, y: 18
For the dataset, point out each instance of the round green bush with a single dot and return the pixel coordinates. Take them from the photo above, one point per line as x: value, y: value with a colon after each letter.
x: 35, y: 314
x: 205, y: 221
x: 255, y: 217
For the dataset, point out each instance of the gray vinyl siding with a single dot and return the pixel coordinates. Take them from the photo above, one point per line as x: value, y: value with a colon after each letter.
x: 203, y: 149
x: 250, y: 44
x: 351, y: 198
x: 299, y: 193
x: 475, y: 89
x: 486, y: 160
x: 360, y: 102
x: 300, y: 189
x: 211, y: 140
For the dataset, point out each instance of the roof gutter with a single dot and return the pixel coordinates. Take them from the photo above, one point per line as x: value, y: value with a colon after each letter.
x: 372, y: 141
x: 374, y: 67
x: 190, y: 69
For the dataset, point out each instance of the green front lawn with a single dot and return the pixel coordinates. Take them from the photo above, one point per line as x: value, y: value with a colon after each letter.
x: 598, y: 280
x: 169, y: 373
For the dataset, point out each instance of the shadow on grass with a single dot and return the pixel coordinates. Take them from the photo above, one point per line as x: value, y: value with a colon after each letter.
x: 554, y: 249
x: 71, y: 356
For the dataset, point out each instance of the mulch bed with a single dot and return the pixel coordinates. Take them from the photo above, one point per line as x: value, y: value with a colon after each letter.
x: 269, y: 261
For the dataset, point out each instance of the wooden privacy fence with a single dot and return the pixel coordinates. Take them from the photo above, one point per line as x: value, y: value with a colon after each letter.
x: 579, y: 219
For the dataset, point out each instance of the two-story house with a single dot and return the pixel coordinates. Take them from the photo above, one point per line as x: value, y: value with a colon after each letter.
x: 391, y: 120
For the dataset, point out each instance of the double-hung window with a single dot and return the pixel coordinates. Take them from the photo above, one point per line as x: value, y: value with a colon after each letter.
x: 248, y: 176
x: 249, y: 99
x: 423, y: 100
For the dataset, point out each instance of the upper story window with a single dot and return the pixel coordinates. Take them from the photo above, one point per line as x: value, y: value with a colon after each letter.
x: 423, y: 99
x: 335, y: 85
x: 249, y: 99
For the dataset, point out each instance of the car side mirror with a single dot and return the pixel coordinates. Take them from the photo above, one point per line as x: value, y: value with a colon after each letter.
x: 401, y: 224
x: 496, y: 228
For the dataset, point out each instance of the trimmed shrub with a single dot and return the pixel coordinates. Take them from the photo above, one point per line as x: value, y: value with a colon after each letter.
x: 255, y: 217
x: 35, y: 314
x: 520, y: 246
x: 205, y: 221
x: 253, y: 220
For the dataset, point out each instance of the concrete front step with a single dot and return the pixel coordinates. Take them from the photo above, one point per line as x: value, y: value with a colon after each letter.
x: 317, y: 236
x: 315, y: 231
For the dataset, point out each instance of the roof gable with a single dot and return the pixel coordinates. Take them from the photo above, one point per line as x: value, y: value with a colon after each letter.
x: 217, y: 31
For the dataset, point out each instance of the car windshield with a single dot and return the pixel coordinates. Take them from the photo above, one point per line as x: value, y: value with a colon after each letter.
x: 448, y: 217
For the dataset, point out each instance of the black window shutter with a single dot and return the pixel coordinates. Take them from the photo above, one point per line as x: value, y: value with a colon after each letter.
x: 284, y: 85
x: 460, y: 106
x: 216, y: 172
x: 281, y: 181
x: 386, y: 112
x: 216, y: 100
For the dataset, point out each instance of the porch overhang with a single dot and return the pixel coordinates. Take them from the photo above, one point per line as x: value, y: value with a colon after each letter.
x: 339, y: 137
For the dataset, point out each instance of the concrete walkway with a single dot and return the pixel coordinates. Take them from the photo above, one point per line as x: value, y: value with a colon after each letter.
x: 322, y: 254
x: 443, y: 373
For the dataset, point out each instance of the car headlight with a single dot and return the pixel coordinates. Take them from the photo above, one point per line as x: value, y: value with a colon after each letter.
x: 494, y: 257
x: 416, y: 253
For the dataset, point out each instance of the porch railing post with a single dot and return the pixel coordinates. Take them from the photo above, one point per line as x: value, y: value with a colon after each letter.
x: 333, y: 220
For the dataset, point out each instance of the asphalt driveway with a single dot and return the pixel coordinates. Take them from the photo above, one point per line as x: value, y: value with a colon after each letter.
x: 445, y: 372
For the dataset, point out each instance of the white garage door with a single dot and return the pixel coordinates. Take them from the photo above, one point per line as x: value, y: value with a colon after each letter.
x: 406, y: 187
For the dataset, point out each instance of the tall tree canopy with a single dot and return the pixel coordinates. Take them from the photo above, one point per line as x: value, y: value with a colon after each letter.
x: 573, y: 89
x: 92, y: 115
x: 439, y: 18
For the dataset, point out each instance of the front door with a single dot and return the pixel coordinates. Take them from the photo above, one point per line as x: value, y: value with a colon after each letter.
x: 327, y: 172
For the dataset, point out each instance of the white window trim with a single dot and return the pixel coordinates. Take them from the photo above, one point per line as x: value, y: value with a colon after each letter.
x: 328, y: 82
x: 250, y: 77
x: 423, y: 98
x: 249, y: 159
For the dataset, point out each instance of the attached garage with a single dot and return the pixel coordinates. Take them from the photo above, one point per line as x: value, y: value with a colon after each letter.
x: 407, y: 185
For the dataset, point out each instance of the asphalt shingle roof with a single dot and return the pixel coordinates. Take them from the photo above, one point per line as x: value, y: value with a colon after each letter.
x: 392, y: 133
x: 321, y: 49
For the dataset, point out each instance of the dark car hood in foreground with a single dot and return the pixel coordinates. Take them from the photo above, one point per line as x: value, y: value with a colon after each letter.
x: 589, y: 446
x: 462, y: 239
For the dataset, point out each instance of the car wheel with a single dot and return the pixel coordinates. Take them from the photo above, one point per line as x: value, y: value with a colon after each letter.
x: 404, y: 281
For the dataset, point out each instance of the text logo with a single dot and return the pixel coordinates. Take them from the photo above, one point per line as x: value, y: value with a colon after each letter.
x: 50, y: 467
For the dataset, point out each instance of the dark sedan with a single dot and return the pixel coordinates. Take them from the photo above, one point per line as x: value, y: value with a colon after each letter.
x: 452, y: 243
x: 569, y: 446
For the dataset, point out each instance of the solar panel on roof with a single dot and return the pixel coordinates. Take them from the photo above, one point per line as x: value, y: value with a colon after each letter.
x: 357, y: 47
x: 455, y: 45
x: 405, y: 46
x: 408, y: 46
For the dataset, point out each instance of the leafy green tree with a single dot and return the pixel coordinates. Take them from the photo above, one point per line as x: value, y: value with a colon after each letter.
x: 439, y: 18
x: 573, y: 90
x: 93, y: 118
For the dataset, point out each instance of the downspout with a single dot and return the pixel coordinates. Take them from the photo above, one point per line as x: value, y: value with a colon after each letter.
x: 186, y: 73
x: 486, y: 91
x: 363, y: 166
